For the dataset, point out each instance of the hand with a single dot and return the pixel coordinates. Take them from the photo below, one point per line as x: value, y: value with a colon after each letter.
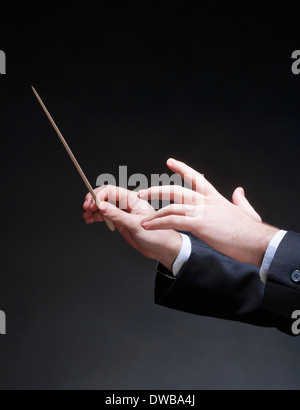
x: 161, y: 245
x: 234, y: 229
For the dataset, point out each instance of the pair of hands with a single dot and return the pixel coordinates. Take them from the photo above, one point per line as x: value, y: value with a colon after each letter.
x: 234, y: 229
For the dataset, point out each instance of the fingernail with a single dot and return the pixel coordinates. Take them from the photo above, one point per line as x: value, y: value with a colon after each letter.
x: 171, y: 161
x: 141, y: 193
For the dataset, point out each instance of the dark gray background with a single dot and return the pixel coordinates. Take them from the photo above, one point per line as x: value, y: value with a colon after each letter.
x: 133, y: 83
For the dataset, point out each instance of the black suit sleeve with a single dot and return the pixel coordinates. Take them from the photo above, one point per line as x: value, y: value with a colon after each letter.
x: 213, y: 284
x: 282, y: 293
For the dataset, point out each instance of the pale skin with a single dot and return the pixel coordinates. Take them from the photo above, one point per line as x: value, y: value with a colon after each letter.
x: 160, y: 245
x: 234, y: 229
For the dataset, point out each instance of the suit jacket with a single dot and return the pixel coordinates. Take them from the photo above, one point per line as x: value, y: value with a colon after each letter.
x: 213, y: 284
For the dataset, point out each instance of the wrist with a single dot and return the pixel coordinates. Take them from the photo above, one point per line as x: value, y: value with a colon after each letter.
x: 170, y: 250
x: 265, y: 233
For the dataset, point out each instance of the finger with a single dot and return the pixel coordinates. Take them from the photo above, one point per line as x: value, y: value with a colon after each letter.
x: 87, y: 201
x: 95, y: 217
x: 124, y: 198
x: 190, y: 176
x: 142, y: 206
x: 174, y: 209
x: 239, y: 199
x: 177, y: 222
x: 102, y: 193
x: 174, y: 193
x: 87, y: 214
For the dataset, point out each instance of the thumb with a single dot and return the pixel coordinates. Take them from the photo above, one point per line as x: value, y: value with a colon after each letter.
x: 239, y: 199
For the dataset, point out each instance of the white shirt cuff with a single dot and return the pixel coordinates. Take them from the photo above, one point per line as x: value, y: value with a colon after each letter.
x: 269, y: 255
x: 184, y: 254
